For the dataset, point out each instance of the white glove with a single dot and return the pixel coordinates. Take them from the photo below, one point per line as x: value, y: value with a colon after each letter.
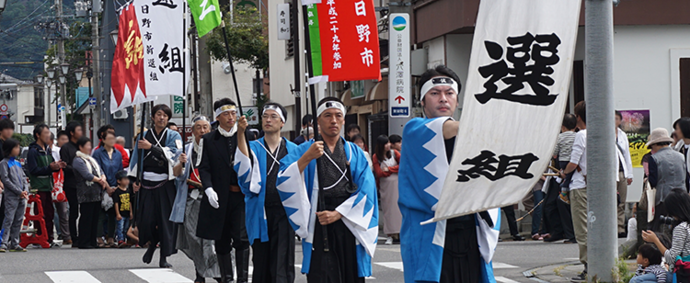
x: 212, y: 197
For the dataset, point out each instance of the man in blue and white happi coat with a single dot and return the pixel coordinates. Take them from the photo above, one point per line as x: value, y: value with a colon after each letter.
x: 454, y: 250
x: 329, y: 192
x: 268, y: 228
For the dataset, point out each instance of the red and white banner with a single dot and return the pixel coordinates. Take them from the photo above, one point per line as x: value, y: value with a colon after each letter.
x: 344, y: 40
x: 151, y: 56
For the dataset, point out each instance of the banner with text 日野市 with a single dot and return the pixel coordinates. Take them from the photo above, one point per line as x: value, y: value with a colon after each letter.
x: 517, y: 88
x: 344, y: 41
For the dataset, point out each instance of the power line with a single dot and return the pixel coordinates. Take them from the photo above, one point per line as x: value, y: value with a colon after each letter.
x: 29, y: 15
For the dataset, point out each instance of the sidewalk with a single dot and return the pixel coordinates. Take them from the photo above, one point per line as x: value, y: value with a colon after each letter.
x: 561, y: 273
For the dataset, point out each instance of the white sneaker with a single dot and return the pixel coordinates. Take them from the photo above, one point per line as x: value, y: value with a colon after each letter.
x: 389, y: 241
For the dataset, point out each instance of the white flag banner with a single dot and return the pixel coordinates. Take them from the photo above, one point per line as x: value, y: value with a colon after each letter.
x: 517, y: 88
x: 166, y: 58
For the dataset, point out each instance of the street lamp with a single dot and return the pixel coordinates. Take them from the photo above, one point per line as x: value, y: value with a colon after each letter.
x: 62, y: 80
x: 65, y: 68
x: 77, y: 74
x: 51, y: 71
x: 39, y: 78
x: 113, y: 35
x: 49, y: 83
x: 3, y: 3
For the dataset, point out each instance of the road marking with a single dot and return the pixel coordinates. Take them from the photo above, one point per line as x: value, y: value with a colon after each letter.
x: 504, y: 280
x: 393, y: 265
x: 299, y: 266
x: 399, y: 265
x: 160, y: 275
x: 500, y: 265
x: 71, y: 277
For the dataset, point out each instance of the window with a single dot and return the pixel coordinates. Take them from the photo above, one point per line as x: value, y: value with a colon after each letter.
x: 39, y: 97
x: 684, y: 87
x: 290, y: 43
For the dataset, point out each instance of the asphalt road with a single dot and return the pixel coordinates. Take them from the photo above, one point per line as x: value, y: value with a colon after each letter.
x: 124, y: 265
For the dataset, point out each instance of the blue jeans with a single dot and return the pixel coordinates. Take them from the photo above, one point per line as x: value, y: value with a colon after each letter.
x: 536, y: 215
x: 646, y: 278
x: 122, y: 226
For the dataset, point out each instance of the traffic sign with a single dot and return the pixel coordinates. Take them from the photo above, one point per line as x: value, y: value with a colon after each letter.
x: 4, y: 108
x: 92, y: 101
x: 399, y: 82
x: 4, y: 117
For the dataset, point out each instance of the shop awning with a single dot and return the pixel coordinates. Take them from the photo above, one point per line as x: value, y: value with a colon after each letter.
x: 379, y: 91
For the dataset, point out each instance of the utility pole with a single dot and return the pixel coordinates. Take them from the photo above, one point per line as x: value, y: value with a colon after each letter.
x: 205, y: 83
x: 61, y: 53
x: 601, y: 143
x: 96, y: 58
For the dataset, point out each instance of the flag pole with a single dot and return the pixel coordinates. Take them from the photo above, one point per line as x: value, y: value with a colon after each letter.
x: 140, y: 162
x: 315, y: 124
x: 184, y: 78
x: 232, y: 68
x: 234, y: 81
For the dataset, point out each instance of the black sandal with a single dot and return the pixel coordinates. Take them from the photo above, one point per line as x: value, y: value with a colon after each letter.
x: 199, y: 278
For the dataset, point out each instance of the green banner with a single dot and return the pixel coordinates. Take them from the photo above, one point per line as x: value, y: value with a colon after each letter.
x: 206, y: 15
x: 315, y: 39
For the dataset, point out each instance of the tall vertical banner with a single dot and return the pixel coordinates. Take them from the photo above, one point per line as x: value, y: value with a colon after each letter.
x: 399, y: 84
x: 128, y: 81
x: 151, y: 56
x: 517, y: 88
x: 344, y: 41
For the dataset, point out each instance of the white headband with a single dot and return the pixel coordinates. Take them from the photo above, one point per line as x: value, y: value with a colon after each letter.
x: 200, y: 118
x: 329, y: 105
x: 276, y: 109
x: 224, y: 108
x: 428, y: 85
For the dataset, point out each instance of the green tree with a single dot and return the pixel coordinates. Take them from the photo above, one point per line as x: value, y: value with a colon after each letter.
x: 246, y: 36
x: 24, y: 139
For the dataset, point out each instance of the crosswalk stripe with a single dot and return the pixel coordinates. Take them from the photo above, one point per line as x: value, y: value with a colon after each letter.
x: 160, y: 275
x: 399, y: 265
x: 500, y: 265
x: 504, y: 280
x: 393, y: 265
x: 71, y: 277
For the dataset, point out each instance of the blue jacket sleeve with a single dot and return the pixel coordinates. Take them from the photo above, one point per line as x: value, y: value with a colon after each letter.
x: 32, y: 164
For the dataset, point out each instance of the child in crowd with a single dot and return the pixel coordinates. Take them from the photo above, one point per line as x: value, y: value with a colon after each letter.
x: 649, y: 266
x: 564, y: 147
x: 16, y: 193
x: 122, y: 206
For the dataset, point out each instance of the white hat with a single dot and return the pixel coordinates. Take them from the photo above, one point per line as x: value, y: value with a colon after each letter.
x: 659, y: 135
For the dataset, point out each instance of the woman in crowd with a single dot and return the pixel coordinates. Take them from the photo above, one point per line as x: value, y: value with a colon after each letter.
x: 110, y: 161
x: 666, y: 171
x: 359, y: 141
x: 91, y: 182
x: 678, y: 206
x: 386, y: 162
x: 351, y: 132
